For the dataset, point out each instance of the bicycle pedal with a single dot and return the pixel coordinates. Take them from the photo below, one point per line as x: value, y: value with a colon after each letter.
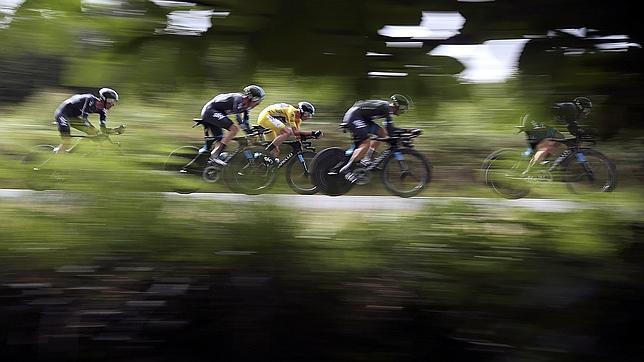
x: 216, y: 161
x: 349, y: 176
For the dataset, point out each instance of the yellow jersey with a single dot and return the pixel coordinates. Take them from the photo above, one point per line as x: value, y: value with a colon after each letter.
x: 282, y: 111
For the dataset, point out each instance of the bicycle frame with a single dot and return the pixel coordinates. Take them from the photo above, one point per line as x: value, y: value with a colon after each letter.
x: 297, y: 148
x: 253, y: 138
x: 579, y: 166
x: 573, y: 147
x: 394, y: 147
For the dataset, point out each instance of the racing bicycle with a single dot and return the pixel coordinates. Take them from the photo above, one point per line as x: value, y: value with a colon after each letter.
x: 189, y: 176
x: 403, y: 170
x: 254, y: 170
x: 46, y: 167
x: 582, y: 168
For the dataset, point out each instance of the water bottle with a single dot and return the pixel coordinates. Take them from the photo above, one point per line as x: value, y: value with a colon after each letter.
x: 223, y: 156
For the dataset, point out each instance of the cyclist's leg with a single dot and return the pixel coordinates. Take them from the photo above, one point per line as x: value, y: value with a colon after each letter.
x: 209, y: 138
x: 539, y: 140
x: 548, y: 145
x: 211, y: 134
x: 279, y: 129
x: 374, y: 144
x: 220, y: 121
x: 543, y: 149
x: 65, y: 133
x: 360, y: 131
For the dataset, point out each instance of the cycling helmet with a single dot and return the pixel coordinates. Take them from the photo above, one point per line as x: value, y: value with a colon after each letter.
x: 108, y: 93
x: 583, y: 104
x: 306, y: 107
x: 401, y: 102
x: 254, y: 92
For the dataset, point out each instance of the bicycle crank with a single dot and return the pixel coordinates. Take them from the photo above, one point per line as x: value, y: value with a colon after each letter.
x: 211, y: 173
x: 362, y: 176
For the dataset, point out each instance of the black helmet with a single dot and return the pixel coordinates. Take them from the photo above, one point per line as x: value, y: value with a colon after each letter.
x: 401, y: 102
x: 306, y: 107
x: 108, y: 93
x: 584, y: 105
x: 254, y: 92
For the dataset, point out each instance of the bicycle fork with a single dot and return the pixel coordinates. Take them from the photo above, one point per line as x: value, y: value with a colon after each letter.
x: 300, y: 158
x: 404, y: 170
x: 581, y: 158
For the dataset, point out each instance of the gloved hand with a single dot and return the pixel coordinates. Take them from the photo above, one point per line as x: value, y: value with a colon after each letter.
x: 119, y: 130
x: 317, y: 134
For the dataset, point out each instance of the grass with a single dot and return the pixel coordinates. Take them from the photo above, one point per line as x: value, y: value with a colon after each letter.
x: 490, y: 273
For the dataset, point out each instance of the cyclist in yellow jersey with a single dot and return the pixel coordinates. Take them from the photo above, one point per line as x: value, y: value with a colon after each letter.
x: 284, y: 121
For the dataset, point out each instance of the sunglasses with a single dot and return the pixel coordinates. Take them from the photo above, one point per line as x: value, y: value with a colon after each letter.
x: 110, y: 101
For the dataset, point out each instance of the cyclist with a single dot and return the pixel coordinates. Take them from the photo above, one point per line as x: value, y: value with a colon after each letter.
x: 74, y: 111
x: 214, y: 117
x: 359, y: 119
x: 284, y: 120
x: 543, y: 139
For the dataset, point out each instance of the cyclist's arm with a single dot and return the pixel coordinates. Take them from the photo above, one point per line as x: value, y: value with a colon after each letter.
x: 314, y: 134
x: 103, y: 118
x: 243, y: 121
x: 389, y: 124
x: 84, y: 111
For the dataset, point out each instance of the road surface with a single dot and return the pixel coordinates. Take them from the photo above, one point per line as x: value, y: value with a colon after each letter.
x: 323, y: 202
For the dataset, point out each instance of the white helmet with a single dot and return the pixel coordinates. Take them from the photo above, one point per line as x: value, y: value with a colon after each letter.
x: 108, y: 93
x: 306, y: 107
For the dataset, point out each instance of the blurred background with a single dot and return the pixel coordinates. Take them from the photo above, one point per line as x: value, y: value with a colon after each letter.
x: 110, y: 265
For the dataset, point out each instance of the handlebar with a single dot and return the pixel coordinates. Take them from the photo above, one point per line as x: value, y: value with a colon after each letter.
x: 302, y: 142
x: 401, y: 133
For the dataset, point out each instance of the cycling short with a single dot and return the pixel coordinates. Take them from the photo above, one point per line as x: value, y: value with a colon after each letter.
x: 361, y: 130
x: 536, y: 136
x: 275, y: 124
x: 65, y: 123
x: 215, y: 121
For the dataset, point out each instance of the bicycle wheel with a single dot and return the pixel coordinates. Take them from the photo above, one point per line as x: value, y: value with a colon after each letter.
x: 184, y: 183
x: 593, y: 172
x: 180, y: 157
x: 503, y: 173
x: 330, y: 159
x: 298, y: 174
x: 406, y: 172
x: 38, y: 175
x: 250, y: 171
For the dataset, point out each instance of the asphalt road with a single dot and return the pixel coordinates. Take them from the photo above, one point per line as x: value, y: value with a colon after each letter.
x: 323, y: 202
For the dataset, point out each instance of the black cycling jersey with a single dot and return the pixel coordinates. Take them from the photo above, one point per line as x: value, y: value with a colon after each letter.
x: 569, y: 114
x: 81, y: 105
x: 369, y: 110
x: 225, y: 104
